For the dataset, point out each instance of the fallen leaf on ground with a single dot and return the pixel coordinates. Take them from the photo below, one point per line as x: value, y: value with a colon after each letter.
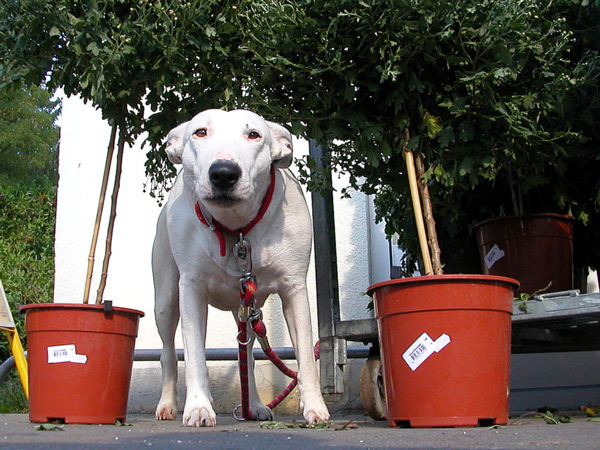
x: 49, y: 427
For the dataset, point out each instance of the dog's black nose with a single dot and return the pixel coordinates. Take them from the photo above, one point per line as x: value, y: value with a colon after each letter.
x: 224, y: 174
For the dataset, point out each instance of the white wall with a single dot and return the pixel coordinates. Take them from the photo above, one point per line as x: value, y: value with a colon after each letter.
x: 84, y: 140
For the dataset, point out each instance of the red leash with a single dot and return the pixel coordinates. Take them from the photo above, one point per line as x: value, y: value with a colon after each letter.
x: 249, y: 316
x: 290, y: 387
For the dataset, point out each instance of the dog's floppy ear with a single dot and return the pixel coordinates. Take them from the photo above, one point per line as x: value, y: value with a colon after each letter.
x: 281, y: 147
x: 175, y: 143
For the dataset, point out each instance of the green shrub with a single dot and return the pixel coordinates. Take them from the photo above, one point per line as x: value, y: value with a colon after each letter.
x: 28, y: 176
x: 26, y: 248
x: 12, y: 397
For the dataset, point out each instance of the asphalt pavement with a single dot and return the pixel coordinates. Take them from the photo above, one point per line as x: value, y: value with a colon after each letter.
x: 290, y: 433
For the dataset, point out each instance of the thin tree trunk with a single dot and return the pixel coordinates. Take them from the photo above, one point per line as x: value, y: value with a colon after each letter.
x: 91, y: 257
x: 434, y: 247
x: 113, y: 215
x: 516, y: 195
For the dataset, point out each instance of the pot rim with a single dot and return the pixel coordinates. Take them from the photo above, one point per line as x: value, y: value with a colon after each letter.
x: 83, y: 306
x: 557, y: 216
x: 447, y: 277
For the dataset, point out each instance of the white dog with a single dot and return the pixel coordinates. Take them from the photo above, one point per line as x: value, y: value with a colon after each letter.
x: 230, y: 160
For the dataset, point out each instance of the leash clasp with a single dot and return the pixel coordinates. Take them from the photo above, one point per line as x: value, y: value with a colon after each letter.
x: 242, y: 251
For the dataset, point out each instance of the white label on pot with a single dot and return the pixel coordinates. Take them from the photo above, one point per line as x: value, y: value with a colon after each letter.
x: 493, y: 256
x: 65, y: 353
x: 423, y: 348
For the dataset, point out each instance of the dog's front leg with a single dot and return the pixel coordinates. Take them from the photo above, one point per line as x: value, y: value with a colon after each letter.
x: 166, y: 319
x: 166, y: 313
x: 297, y: 315
x: 198, y: 411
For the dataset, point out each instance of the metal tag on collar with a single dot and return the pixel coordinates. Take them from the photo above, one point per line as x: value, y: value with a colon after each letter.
x: 243, y: 255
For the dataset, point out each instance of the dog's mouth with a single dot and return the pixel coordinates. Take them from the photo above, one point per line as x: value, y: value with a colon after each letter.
x: 222, y: 199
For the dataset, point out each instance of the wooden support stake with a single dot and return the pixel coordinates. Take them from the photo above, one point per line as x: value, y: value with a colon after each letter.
x: 113, y: 215
x: 91, y: 258
x: 418, y: 212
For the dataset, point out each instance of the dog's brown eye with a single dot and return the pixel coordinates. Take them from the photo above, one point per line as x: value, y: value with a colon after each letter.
x: 200, y: 132
x: 253, y: 135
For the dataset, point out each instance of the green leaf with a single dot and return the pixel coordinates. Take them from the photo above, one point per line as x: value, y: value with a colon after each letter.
x: 459, y: 105
x: 49, y: 427
x: 467, y: 131
x: 413, y: 142
x: 118, y: 423
x: 93, y: 47
x: 446, y: 137
x: 432, y: 125
x: 528, y: 101
x: 466, y: 166
x: 554, y: 419
x: 414, y: 82
x: 210, y: 31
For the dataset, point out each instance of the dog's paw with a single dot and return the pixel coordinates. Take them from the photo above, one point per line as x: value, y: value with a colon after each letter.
x: 262, y: 413
x: 314, y: 408
x: 199, y: 417
x: 314, y: 416
x: 316, y: 411
x: 166, y: 412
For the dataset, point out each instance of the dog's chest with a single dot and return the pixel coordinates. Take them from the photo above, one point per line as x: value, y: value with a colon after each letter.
x: 224, y: 292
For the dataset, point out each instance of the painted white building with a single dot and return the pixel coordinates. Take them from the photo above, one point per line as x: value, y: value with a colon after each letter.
x: 363, y: 258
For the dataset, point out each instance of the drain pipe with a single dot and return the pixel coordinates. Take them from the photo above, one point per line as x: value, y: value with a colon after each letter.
x: 212, y: 354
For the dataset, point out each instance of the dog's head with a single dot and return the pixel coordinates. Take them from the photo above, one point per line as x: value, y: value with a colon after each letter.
x: 227, y: 155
